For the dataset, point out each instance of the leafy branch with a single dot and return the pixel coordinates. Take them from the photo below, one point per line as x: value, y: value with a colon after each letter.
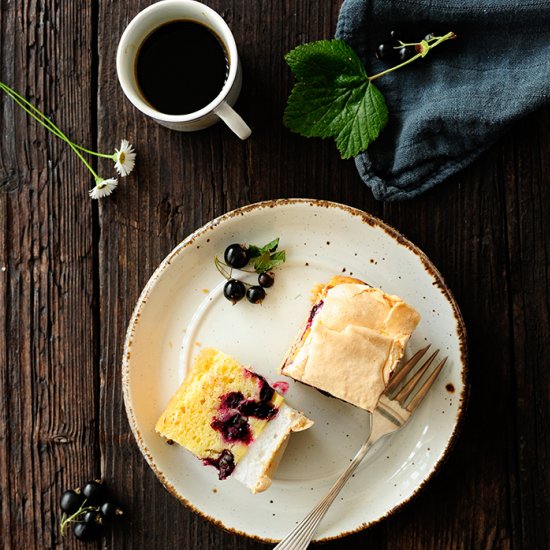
x: 334, y: 97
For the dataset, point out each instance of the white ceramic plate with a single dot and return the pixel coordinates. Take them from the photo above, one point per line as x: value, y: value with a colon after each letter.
x: 182, y: 308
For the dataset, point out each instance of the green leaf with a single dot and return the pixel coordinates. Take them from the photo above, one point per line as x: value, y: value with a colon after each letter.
x: 262, y: 262
x: 269, y: 261
x: 278, y: 257
x: 270, y: 247
x: 333, y: 97
x: 256, y: 251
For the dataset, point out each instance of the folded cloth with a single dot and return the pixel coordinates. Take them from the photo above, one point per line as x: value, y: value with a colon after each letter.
x: 446, y: 109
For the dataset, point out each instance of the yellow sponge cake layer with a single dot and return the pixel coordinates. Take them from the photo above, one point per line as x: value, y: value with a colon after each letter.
x: 199, y: 404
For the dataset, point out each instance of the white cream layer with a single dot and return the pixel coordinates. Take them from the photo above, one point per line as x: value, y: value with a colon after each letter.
x: 257, y: 467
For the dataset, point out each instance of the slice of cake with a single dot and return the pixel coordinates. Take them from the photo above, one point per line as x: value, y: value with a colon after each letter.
x: 232, y: 419
x: 352, y: 341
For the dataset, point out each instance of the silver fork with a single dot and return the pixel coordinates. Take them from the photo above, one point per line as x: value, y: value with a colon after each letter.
x: 401, y: 397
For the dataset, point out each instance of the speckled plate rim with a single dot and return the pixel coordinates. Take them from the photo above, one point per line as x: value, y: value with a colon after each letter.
x: 366, y: 218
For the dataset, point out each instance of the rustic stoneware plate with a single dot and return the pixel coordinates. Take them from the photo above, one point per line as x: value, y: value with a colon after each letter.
x: 182, y: 308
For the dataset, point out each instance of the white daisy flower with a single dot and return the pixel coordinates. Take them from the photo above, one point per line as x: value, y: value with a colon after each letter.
x: 103, y: 188
x: 125, y: 158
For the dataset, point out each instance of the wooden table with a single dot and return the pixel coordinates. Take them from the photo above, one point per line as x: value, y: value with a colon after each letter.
x: 72, y: 269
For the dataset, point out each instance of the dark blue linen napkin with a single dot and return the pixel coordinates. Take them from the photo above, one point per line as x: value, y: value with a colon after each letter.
x: 447, y: 108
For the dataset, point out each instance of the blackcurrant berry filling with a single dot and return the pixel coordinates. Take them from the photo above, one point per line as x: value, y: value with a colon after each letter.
x: 232, y: 400
x: 225, y: 463
x: 258, y: 409
x: 236, y: 409
x: 281, y: 386
x: 266, y: 391
x: 233, y: 428
x: 314, y: 310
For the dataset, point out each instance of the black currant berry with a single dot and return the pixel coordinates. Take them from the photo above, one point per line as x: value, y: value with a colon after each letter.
x: 236, y: 255
x: 266, y: 279
x: 396, y: 35
x: 95, y: 493
x: 234, y: 290
x: 110, y: 510
x: 86, y: 531
x: 92, y: 518
x: 433, y: 34
x: 405, y: 53
x: 71, y: 501
x: 255, y: 294
x: 385, y: 52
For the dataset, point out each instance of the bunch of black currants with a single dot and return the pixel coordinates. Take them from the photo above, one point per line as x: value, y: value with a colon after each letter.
x: 262, y: 259
x: 401, y: 47
x: 88, y: 509
x: 237, y: 256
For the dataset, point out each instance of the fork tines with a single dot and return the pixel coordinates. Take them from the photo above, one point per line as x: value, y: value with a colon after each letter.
x: 409, y: 393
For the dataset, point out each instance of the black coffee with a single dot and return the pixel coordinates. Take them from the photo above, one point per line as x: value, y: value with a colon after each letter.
x: 181, y: 67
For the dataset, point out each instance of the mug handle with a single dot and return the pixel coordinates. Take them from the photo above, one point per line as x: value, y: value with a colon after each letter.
x: 233, y: 120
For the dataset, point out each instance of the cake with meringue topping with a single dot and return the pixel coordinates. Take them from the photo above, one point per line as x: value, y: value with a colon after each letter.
x: 353, y: 339
x: 231, y: 418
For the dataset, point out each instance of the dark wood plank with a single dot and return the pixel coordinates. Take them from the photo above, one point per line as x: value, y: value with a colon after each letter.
x: 48, y: 384
x: 72, y: 277
x: 526, y: 164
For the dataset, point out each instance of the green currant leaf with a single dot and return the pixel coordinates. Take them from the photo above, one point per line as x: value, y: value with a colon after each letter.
x: 254, y: 251
x: 333, y: 97
x: 270, y: 247
x: 262, y: 262
x: 268, y: 261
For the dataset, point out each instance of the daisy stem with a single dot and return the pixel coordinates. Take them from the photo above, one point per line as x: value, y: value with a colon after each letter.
x: 33, y: 111
x: 102, y: 155
x: 42, y: 119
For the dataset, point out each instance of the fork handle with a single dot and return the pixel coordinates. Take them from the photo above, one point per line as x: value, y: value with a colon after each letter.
x: 300, y: 537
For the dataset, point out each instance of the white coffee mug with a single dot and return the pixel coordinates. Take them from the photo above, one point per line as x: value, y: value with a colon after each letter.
x: 143, y: 24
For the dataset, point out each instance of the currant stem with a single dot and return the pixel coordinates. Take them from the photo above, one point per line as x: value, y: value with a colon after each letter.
x: 401, y: 44
x: 448, y: 36
x: 220, y: 266
x: 82, y: 510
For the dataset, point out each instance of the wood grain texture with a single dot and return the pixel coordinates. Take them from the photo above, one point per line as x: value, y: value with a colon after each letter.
x: 74, y: 271
x: 48, y: 380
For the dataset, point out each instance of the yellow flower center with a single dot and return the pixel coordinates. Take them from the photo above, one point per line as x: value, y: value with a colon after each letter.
x: 121, y: 157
